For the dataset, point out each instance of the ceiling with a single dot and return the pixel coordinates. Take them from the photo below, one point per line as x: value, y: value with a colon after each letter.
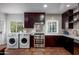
x: 53, y: 8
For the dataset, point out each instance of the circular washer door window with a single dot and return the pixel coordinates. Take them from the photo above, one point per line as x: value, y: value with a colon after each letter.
x: 24, y: 40
x: 12, y: 41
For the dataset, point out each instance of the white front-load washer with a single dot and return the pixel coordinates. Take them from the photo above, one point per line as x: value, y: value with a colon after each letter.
x: 24, y: 40
x: 12, y: 40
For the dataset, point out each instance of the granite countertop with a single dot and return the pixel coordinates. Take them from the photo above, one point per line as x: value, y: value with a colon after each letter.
x: 47, y: 34
x: 70, y: 36
x: 76, y: 39
x: 73, y: 37
x: 54, y: 34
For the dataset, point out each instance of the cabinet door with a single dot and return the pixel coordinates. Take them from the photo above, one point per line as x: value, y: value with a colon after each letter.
x: 42, y: 17
x: 26, y: 19
x: 69, y: 45
x: 60, y: 41
x: 50, y: 41
x: 31, y: 41
x: 31, y: 18
x: 39, y: 17
x: 64, y: 18
x: 67, y: 16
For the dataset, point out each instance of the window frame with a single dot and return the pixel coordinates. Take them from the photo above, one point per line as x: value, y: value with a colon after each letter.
x: 50, y: 21
x: 16, y: 26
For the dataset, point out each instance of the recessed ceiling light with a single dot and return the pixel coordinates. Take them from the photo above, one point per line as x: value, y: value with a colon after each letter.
x: 67, y: 5
x: 45, y: 5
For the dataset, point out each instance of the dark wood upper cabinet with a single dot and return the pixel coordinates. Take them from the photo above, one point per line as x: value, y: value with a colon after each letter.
x: 31, y: 17
x: 77, y: 13
x: 67, y: 16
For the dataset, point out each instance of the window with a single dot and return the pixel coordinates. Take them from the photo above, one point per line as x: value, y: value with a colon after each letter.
x: 19, y: 27
x: 51, y: 26
x: 13, y: 26
x: 16, y: 26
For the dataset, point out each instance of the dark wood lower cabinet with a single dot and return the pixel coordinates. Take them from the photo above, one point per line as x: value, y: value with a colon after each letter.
x: 52, y: 41
x: 60, y: 41
x: 67, y: 43
x: 57, y: 41
x: 31, y: 41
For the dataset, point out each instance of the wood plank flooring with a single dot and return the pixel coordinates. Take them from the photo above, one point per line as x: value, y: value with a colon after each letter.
x: 2, y: 47
x: 38, y: 51
x: 76, y: 50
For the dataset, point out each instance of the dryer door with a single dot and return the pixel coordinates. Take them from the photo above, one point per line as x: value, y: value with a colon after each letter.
x: 24, y: 41
x: 12, y: 41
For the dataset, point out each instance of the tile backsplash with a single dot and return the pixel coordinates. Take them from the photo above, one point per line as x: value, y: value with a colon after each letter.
x: 73, y: 32
x: 76, y: 25
x: 29, y: 30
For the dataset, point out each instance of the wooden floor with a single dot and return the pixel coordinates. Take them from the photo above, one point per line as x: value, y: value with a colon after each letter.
x: 38, y: 51
x: 76, y: 50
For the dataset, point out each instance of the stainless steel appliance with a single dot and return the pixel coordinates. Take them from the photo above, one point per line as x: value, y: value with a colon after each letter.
x: 39, y: 37
x: 39, y: 40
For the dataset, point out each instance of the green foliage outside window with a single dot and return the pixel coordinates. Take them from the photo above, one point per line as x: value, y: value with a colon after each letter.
x: 13, y: 26
x: 16, y: 26
x: 19, y: 27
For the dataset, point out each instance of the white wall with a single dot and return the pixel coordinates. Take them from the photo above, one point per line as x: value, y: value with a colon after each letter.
x: 56, y: 17
x: 2, y: 27
x: 20, y: 17
x: 13, y: 17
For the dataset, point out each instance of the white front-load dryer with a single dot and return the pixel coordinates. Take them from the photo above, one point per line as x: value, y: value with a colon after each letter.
x: 12, y: 40
x: 24, y: 40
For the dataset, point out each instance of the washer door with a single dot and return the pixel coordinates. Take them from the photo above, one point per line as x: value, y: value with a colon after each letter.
x: 12, y: 41
x: 24, y: 41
